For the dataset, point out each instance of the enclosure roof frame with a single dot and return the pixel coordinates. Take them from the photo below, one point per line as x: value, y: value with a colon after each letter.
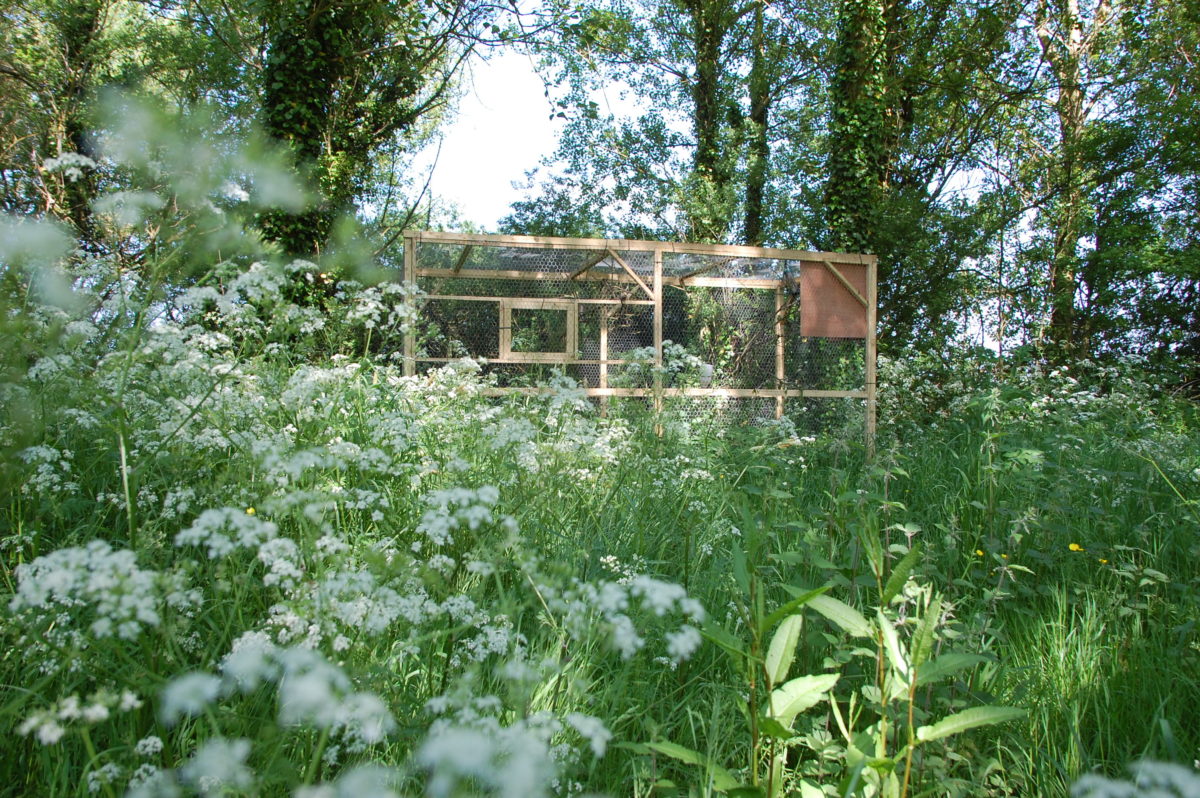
x: 635, y: 245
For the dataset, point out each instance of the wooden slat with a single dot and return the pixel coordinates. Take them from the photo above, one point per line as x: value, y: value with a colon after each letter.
x: 657, y: 296
x: 410, y: 277
x: 780, y: 371
x: 464, y: 298
x: 870, y: 376
x: 518, y: 360
x: 727, y: 393
x: 764, y: 283
x: 635, y: 276
x: 515, y: 274
x: 602, y: 381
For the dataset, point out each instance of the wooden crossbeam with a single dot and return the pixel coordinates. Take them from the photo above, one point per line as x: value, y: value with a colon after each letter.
x: 632, y: 274
x: 592, y: 261
x: 846, y: 283
x: 463, y: 257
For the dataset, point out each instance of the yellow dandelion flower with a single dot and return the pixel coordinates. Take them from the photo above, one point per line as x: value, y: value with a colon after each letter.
x: 1103, y: 561
x: 978, y: 552
x: 1005, y: 556
x: 1075, y: 547
x: 250, y: 511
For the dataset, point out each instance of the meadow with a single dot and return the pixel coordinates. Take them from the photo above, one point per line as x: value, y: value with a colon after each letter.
x: 243, y: 554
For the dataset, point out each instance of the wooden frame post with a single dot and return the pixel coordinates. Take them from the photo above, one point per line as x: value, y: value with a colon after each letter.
x: 658, y: 335
x: 780, y: 371
x: 602, y: 381
x: 410, y: 279
x: 872, y: 299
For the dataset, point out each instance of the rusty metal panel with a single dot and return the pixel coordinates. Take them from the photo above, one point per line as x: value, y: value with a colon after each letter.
x: 827, y: 308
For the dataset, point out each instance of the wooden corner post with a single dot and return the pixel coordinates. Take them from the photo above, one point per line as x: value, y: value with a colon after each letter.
x: 410, y: 280
x: 780, y: 363
x: 872, y: 300
x: 658, y: 335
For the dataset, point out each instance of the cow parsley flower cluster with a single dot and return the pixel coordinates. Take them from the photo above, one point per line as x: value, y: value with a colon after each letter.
x: 312, y: 691
x: 225, y: 529
x: 515, y: 761
x: 607, y: 606
x: 1149, y: 780
x: 455, y: 508
x: 92, y: 592
x: 49, y: 724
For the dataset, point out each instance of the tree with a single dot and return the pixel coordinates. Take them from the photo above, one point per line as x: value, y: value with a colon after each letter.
x: 695, y: 160
x: 917, y: 92
x: 340, y: 79
x: 55, y: 58
x: 1139, y: 281
x: 1070, y: 38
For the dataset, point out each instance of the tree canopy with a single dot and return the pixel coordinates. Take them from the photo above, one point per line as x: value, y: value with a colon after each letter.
x: 1027, y: 172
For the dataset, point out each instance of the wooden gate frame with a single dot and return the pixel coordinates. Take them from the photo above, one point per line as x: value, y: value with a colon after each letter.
x: 819, y: 273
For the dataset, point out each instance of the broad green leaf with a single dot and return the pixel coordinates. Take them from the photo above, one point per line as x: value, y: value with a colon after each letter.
x: 968, y: 719
x: 922, y: 640
x: 722, y: 779
x: 773, y: 728
x: 800, y: 694
x: 783, y: 649
x: 940, y: 667
x: 637, y: 748
x: 746, y: 791
x: 891, y: 644
x: 740, y: 573
x: 676, y: 751
x: 874, y: 551
x: 899, y: 576
x: 810, y: 790
x: 843, y: 615
x: 790, y: 607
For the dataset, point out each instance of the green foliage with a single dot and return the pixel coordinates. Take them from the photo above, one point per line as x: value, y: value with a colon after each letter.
x: 241, y: 551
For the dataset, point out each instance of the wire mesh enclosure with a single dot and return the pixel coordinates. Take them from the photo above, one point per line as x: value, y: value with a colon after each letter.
x: 735, y: 333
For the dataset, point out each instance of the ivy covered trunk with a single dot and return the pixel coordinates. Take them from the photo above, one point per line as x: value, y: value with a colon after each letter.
x: 858, y: 134
x: 78, y: 26
x: 341, y: 79
x: 759, y: 153
x: 309, y: 50
x: 708, y: 205
x: 1067, y: 45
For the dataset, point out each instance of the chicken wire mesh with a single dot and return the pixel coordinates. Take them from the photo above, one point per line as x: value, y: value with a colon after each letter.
x: 721, y: 334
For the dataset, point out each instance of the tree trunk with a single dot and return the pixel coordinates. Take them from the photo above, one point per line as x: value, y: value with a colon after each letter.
x: 79, y: 25
x: 760, y: 146
x: 307, y: 56
x: 1066, y: 46
x: 858, y: 132
x: 708, y: 215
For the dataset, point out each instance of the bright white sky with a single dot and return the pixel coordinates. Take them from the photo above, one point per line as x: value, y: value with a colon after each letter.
x: 502, y: 130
